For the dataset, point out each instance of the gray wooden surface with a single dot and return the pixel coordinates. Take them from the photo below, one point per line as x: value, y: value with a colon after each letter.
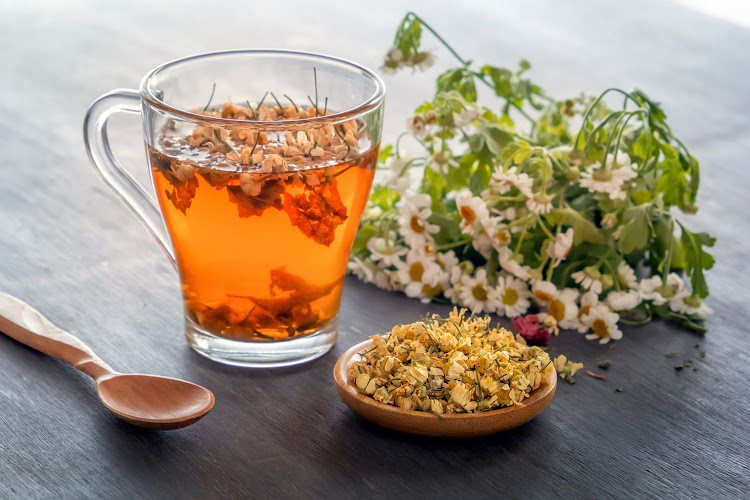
x: 72, y: 250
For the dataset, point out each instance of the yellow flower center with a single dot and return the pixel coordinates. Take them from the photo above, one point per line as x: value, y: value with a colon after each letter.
x: 416, y: 271
x: 557, y: 310
x: 467, y: 213
x: 600, y: 328
x: 503, y: 238
x: 479, y: 292
x: 543, y: 296
x: 542, y: 198
x: 416, y: 225
x: 431, y: 291
x: 510, y: 296
x: 583, y: 311
x: 602, y: 175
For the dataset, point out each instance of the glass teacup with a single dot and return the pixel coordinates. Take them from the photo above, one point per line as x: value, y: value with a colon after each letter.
x: 262, y: 161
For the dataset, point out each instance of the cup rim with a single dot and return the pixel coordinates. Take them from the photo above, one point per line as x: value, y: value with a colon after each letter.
x: 370, y: 103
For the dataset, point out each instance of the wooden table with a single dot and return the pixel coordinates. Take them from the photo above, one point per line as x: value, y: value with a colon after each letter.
x: 72, y: 250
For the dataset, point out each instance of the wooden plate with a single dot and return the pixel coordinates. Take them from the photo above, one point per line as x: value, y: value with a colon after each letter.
x: 428, y: 424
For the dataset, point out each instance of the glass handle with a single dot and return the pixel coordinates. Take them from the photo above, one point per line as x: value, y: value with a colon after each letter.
x: 116, y: 177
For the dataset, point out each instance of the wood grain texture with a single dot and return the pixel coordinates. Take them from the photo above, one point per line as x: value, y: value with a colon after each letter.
x: 72, y: 250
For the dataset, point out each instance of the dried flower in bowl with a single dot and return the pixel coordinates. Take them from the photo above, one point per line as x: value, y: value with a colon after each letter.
x: 449, y: 365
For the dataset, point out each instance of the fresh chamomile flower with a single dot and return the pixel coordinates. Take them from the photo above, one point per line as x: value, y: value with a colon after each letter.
x: 543, y: 291
x: 385, y: 279
x: 609, y: 179
x: 394, y: 55
x: 476, y: 294
x: 399, y: 177
x: 626, y: 275
x: 420, y: 276
x: 508, y: 214
x: 513, y: 296
x: 588, y: 300
x: 393, y: 60
x: 540, y: 203
x: 453, y: 291
x: 689, y: 304
x: 512, y: 266
x: 413, y: 224
x: 416, y: 126
x: 563, y: 308
x: 589, y: 279
x: 501, y: 238
x: 603, y: 322
x: 498, y: 233
x: 503, y: 181
x: 362, y: 269
x: 473, y: 212
x: 609, y: 220
x: 623, y: 300
x: 482, y: 243
x: 386, y: 251
x: 442, y: 159
x: 422, y: 60
x: 446, y: 260
x: 658, y: 292
x: 465, y: 117
x: 559, y: 248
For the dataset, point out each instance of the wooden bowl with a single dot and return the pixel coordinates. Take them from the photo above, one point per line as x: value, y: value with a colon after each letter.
x: 429, y: 424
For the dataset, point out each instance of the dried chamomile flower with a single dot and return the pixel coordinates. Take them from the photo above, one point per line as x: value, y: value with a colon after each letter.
x: 457, y: 364
x: 566, y: 368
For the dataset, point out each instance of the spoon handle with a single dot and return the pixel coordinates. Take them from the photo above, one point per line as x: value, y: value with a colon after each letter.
x: 22, y: 322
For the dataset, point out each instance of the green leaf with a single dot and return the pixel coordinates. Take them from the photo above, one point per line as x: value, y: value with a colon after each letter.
x: 409, y: 39
x: 434, y: 184
x: 364, y: 234
x: 460, y: 80
x: 384, y: 197
x: 385, y: 153
x: 476, y: 142
x: 583, y: 229
x: 690, y: 164
x: 458, y: 177
x: 641, y: 197
x: 664, y: 239
x: 496, y: 136
x: 424, y: 107
x: 636, y: 229
x: 696, y: 259
x: 502, y: 80
x: 641, y: 145
x: 672, y: 183
x: 669, y: 151
x: 450, y: 230
x: 480, y: 179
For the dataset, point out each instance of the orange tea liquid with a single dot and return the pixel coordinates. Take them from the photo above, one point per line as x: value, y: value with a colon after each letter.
x: 265, y: 263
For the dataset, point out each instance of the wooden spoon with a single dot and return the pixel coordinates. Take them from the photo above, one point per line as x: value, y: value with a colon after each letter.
x: 144, y: 400
x: 447, y: 425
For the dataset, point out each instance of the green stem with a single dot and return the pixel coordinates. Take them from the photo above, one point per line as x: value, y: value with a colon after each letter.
x: 593, y: 105
x: 544, y: 227
x: 520, y: 240
x: 447, y: 246
x: 398, y: 142
x: 668, y: 258
x: 619, y: 137
x: 436, y: 35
